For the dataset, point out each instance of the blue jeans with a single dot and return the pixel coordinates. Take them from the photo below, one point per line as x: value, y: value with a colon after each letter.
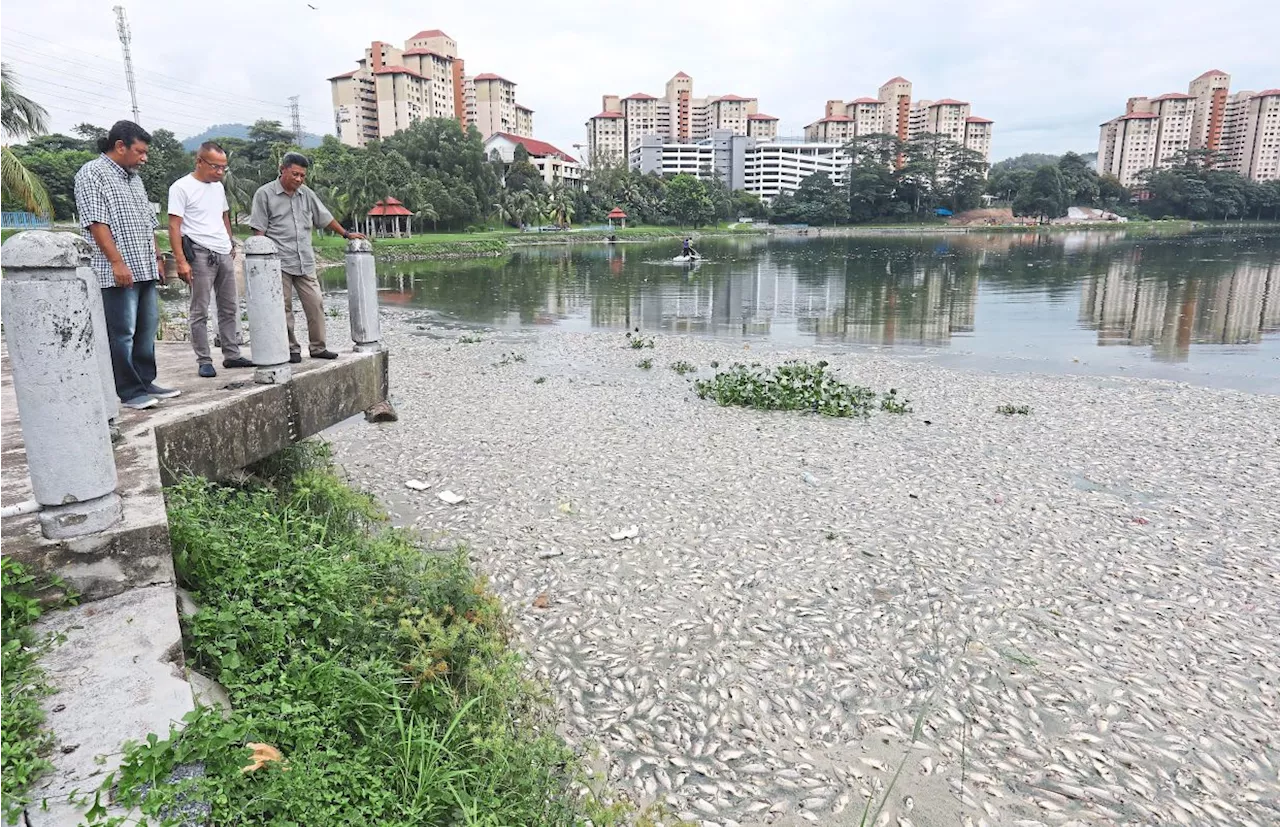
x: 133, y: 317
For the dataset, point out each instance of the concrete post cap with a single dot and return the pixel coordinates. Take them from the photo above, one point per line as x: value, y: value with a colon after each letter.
x: 259, y: 245
x: 359, y: 245
x: 39, y: 249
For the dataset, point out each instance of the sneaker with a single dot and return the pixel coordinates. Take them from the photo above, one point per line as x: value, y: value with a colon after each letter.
x: 324, y: 354
x: 295, y: 358
x: 206, y: 371
x: 138, y: 403
x: 163, y: 393
x: 238, y: 362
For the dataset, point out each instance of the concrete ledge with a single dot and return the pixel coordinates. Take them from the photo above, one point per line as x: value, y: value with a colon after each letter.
x: 219, y: 438
x: 101, y: 699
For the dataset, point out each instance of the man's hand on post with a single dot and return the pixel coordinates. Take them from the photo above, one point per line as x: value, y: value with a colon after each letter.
x: 355, y: 235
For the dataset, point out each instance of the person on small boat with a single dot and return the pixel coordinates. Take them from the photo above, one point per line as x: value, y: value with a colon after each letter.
x: 687, y: 251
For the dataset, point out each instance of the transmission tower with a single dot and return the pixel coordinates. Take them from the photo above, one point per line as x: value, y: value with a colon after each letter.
x: 296, y: 114
x: 122, y: 29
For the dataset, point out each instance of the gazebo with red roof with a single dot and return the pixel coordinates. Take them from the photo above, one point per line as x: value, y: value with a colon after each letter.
x: 616, y: 214
x: 387, y: 217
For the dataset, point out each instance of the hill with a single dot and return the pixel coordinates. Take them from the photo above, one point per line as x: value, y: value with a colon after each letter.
x: 236, y: 130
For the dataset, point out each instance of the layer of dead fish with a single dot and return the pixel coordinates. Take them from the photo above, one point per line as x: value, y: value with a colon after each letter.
x: 744, y: 647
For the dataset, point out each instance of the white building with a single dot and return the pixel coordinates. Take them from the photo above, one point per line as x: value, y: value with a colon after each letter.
x: 557, y: 167
x: 766, y: 168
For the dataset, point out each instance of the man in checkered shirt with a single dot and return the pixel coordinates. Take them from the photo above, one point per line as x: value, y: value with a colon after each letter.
x: 119, y: 224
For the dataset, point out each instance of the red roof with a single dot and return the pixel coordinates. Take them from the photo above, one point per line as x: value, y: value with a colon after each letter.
x: 1266, y: 93
x: 732, y: 98
x: 350, y: 74
x: 898, y: 79
x: 608, y: 115
x: 1174, y: 96
x: 837, y: 118
x: 760, y: 117
x: 1137, y: 116
x: 639, y: 96
x: 391, y: 206
x: 395, y: 70
x: 682, y: 75
x: 492, y: 76
x: 868, y: 100
x: 425, y: 52
x: 523, y: 108
x: 1211, y: 73
x: 426, y: 33
x: 538, y: 149
x: 976, y: 119
x: 617, y: 212
x: 948, y: 102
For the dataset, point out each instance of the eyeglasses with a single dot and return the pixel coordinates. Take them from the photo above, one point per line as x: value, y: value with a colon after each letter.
x: 217, y: 167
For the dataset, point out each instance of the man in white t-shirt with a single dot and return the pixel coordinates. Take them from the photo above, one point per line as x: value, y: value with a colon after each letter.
x: 200, y: 235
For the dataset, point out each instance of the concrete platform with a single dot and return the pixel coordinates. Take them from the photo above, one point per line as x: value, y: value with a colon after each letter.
x: 216, y: 427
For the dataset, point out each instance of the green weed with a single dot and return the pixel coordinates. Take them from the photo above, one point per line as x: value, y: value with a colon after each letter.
x: 381, y: 671
x: 509, y: 359
x: 891, y: 403
x: 25, y: 743
x: 1010, y: 410
x: 469, y: 339
x: 539, y: 380
x: 638, y: 342
x: 645, y: 363
x: 682, y: 367
x: 792, y: 386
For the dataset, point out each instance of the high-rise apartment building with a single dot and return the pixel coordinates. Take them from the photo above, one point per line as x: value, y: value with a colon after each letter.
x: 1243, y: 130
x: 495, y: 108
x: 677, y: 117
x: 394, y: 87
x: 894, y: 113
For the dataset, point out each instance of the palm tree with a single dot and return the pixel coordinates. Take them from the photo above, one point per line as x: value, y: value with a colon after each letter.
x: 561, y: 204
x: 429, y: 212
x: 21, y: 117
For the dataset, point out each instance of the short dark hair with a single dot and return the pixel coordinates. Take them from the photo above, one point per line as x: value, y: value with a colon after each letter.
x: 211, y: 146
x: 294, y: 159
x: 126, y: 131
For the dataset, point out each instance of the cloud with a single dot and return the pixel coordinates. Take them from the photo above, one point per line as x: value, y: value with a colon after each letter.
x: 1047, y: 74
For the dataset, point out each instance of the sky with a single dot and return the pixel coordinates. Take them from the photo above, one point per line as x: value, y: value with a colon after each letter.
x: 1047, y: 73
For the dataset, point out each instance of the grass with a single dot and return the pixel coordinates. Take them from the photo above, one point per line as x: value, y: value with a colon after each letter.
x: 24, y: 742
x: 380, y: 671
x: 646, y: 363
x: 682, y: 367
x: 469, y: 339
x: 795, y: 386
x: 509, y: 359
x: 1010, y: 410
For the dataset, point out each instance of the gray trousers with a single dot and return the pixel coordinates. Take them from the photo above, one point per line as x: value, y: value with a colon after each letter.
x: 213, y: 274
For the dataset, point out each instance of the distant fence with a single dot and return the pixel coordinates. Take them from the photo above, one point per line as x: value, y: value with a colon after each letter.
x: 23, y: 221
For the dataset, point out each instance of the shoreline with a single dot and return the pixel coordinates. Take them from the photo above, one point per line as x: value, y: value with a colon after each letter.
x: 1049, y: 592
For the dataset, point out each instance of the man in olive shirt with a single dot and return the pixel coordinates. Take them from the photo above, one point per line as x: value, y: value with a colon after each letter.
x: 286, y: 211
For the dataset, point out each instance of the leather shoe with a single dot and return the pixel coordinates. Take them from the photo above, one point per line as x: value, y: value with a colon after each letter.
x: 295, y: 358
x: 238, y: 362
x: 206, y: 370
x: 324, y: 354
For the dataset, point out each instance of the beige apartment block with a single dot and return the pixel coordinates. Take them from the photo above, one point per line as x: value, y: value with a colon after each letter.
x: 894, y: 113
x: 677, y: 116
x: 394, y: 87
x: 1240, y: 128
x: 606, y: 138
x: 496, y: 109
x: 1210, y: 92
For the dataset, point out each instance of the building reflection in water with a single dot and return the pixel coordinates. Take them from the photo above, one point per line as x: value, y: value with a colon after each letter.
x: 1235, y: 305
x: 891, y: 290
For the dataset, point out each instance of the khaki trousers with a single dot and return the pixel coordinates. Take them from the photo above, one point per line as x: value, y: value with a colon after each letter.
x: 308, y: 289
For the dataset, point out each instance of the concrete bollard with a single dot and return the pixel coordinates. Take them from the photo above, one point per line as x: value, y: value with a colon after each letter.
x: 264, y: 292
x: 101, y: 346
x: 362, y: 297
x: 49, y: 328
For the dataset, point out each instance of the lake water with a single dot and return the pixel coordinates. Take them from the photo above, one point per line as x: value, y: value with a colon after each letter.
x: 1202, y: 308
